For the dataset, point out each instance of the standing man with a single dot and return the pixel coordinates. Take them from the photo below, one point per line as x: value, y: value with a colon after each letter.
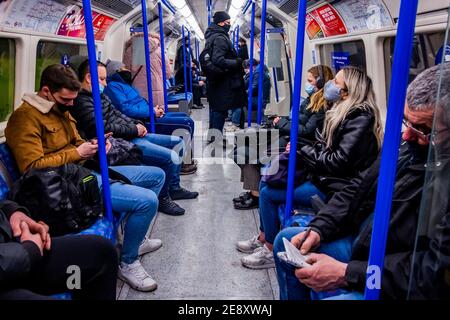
x: 228, y: 92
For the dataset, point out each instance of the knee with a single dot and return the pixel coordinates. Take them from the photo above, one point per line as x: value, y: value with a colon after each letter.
x: 146, y: 205
x: 104, y: 250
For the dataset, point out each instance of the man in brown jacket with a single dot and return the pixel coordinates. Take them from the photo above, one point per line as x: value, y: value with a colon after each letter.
x: 41, y: 133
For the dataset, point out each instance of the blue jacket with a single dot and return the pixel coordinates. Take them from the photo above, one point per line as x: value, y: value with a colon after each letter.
x: 266, y: 85
x: 126, y: 98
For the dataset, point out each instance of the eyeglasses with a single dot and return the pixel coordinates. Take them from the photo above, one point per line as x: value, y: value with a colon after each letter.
x: 419, y: 132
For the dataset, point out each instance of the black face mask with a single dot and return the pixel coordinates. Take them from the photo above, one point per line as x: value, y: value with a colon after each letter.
x: 419, y: 152
x: 126, y: 76
x: 227, y: 27
x: 62, y: 107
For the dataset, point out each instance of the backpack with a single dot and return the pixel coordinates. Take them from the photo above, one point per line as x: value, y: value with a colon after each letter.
x: 67, y: 198
x: 211, y: 71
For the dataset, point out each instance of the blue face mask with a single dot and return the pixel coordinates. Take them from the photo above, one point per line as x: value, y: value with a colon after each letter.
x: 331, y: 92
x: 101, y: 88
x: 309, y: 88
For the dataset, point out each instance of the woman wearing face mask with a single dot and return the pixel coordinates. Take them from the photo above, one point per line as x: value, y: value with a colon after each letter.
x: 312, y: 109
x: 349, y: 142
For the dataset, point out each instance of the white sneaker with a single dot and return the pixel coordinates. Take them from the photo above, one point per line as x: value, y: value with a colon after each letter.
x: 149, y: 245
x: 248, y: 246
x: 261, y: 258
x: 232, y: 128
x: 136, y: 276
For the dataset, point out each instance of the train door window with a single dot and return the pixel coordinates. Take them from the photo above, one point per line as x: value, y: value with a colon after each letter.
x: 7, y: 76
x: 49, y: 53
x: 339, y: 55
x: 426, y: 48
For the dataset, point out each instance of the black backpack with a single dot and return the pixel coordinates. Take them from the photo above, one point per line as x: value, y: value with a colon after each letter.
x: 211, y: 71
x: 67, y: 198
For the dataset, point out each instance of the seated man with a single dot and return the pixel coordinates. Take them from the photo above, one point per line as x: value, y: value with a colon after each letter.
x: 33, y: 265
x: 343, y: 228
x: 41, y: 133
x: 156, y: 148
x: 128, y: 100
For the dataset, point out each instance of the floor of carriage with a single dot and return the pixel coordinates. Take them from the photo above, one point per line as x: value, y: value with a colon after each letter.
x: 198, y: 259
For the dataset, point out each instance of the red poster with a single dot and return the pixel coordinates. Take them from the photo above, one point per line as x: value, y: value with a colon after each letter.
x: 72, y: 25
x: 329, y: 21
x: 312, y: 28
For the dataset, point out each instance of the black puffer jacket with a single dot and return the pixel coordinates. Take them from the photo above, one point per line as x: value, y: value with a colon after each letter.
x: 354, y: 149
x: 348, y: 212
x: 114, y: 121
x: 17, y: 260
x: 229, y: 92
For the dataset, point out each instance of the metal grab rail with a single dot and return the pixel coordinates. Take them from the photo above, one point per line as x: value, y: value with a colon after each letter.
x: 163, y: 54
x: 389, y: 153
x: 100, y: 129
x: 261, y: 59
x: 250, y: 82
x: 295, y: 105
x: 184, y: 65
x: 147, y: 66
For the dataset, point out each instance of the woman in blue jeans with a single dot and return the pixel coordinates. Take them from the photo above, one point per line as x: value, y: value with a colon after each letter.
x: 349, y: 143
x: 138, y: 204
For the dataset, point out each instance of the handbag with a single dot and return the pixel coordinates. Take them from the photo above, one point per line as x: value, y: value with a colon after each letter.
x: 277, y: 177
x: 123, y: 152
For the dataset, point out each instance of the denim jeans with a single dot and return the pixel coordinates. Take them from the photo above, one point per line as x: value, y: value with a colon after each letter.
x: 157, y: 151
x: 139, y: 202
x: 173, y: 121
x: 218, y: 120
x: 236, y: 116
x: 271, y: 198
x: 291, y: 288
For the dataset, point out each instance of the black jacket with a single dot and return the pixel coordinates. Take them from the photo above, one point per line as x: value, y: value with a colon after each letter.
x: 349, y: 213
x: 243, y: 52
x: 308, y: 123
x: 354, y: 148
x: 114, y: 121
x: 229, y: 92
x: 17, y: 260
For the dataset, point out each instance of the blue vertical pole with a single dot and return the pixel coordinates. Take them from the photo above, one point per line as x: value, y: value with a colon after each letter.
x: 234, y: 38
x: 100, y: 129
x: 237, y: 37
x: 147, y: 66
x: 295, y: 106
x: 190, y: 61
x: 184, y: 65
x: 250, y: 79
x: 209, y: 11
x: 275, y: 82
x: 163, y: 54
x: 389, y: 153
x: 261, y: 62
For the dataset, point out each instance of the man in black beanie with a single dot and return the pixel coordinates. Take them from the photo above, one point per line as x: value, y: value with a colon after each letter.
x: 227, y: 91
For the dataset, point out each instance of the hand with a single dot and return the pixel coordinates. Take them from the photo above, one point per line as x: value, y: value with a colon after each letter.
x: 142, y: 131
x: 26, y: 235
x: 276, y: 120
x: 288, y: 147
x: 87, y: 150
x: 108, y: 145
x: 312, y: 241
x: 201, y: 83
x: 159, y: 112
x: 324, y: 274
x: 34, y: 227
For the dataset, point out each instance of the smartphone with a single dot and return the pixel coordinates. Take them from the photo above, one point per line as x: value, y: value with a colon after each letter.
x: 292, y: 255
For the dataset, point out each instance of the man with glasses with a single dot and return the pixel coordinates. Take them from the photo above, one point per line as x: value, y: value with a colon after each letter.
x: 340, y: 236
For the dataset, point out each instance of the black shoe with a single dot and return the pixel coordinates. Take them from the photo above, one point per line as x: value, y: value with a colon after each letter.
x: 243, y: 197
x: 188, y: 169
x: 251, y: 203
x: 196, y: 107
x: 182, y: 193
x: 168, y: 206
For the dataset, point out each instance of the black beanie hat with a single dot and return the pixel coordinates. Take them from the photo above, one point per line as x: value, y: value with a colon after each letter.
x: 221, y: 16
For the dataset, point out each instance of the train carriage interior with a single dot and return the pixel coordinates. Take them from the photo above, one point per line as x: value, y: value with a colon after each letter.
x: 368, y: 69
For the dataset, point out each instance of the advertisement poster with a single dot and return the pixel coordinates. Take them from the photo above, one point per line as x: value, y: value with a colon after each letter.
x: 312, y: 28
x: 329, y: 21
x: 72, y: 24
x: 363, y: 14
x: 39, y: 16
x: 340, y: 60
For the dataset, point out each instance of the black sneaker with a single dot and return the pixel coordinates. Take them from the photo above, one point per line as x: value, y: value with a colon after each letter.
x: 243, y: 197
x: 168, y: 206
x: 188, y: 169
x: 251, y: 203
x: 182, y: 193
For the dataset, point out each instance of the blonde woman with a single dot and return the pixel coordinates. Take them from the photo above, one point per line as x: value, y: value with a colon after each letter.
x: 349, y: 143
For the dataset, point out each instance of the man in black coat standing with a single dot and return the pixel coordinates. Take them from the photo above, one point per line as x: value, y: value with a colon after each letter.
x: 228, y: 92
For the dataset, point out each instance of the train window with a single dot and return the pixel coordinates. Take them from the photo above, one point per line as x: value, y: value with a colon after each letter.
x: 425, y: 49
x: 7, y: 76
x: 49, y: 53
x: 338, y: 55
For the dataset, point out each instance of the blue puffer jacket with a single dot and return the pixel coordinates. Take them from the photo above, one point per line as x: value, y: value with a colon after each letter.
x: 126, y: 98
